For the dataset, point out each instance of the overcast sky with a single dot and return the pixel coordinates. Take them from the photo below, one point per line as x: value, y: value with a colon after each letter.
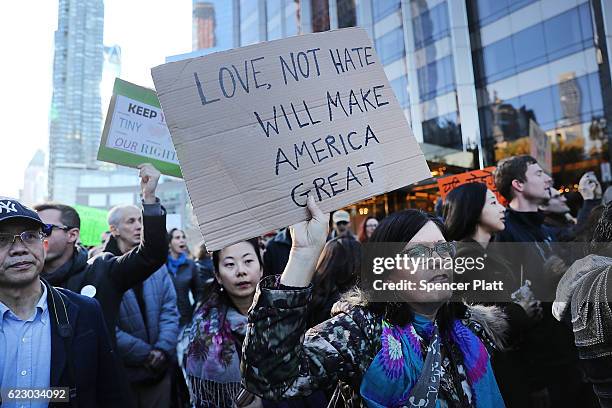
x: 146, y: 30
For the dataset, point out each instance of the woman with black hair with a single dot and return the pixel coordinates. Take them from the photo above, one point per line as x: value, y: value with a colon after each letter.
x: 337, y: 272
x: 212, y: 354
x: 472, y: 216
x: 419, y: 351
x: 184, y: 274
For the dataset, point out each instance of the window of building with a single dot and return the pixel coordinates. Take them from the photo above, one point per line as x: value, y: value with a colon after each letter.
x: 596, y: 99
x: 249, y: 22
x: 569, y: 102
x: 292, y: 17
x: 529, y: 48
x: 542, y: 43
x: 274, y: 18
x: 431, y: 25
x: 320, y: 15
x: 436, y: 78
x: 569, y: 32
x: 347, y: 15
x: 484, y: 12
x: 498, y: 60
x: 400, y: 87
x: 381, y: 9
x: 390, y: 47
x: 578, y: 99
x: 213, y: 24
x: 540, y: 103
x: 443, y: 131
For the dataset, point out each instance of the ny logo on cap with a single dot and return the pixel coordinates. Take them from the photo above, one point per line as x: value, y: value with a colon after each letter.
x: 7, y: 206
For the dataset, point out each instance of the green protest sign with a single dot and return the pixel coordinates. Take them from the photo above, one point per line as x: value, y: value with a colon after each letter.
x: 135, y: 130
x: 93, y: 224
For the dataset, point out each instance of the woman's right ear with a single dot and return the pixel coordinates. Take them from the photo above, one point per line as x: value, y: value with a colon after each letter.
x: 217, y: 278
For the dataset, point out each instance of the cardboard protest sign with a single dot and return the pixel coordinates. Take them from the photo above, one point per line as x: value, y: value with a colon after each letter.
x: 485, y: 176
x: 135, y: 131
x: 540, y: 147
x: 93, y: 224
x: 258, y: 128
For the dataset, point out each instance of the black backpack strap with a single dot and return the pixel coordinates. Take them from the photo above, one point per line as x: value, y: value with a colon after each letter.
x: 60, y: 313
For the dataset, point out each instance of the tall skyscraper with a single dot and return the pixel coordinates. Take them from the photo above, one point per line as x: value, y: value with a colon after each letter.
x: 76, y: 116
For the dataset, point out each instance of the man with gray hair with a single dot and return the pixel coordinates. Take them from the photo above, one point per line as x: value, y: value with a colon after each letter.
x: 147, y: 327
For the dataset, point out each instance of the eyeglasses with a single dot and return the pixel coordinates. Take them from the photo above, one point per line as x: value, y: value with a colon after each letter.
x: 444, y: 249
x: 51, y: 227
x: 29, y: 238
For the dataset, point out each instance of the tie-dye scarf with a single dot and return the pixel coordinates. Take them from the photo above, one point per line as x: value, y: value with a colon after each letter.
x: 211, y: 359
x: 401, y: 376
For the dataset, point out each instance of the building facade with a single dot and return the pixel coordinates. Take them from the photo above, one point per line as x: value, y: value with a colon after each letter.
x: 34, y: 181
x: 471, y: 74
x: 546, y: 61
x: 75, y: 118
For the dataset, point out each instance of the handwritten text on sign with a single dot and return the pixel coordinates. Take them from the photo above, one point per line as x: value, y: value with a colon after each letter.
x: 258, y: 128
x: 485, y: 176
x: 135, y: 131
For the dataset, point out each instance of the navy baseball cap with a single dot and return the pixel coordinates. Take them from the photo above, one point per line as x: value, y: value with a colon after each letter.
x: 11, y: 209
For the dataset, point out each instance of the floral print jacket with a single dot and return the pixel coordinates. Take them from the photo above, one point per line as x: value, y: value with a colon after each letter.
x: 283, y: 359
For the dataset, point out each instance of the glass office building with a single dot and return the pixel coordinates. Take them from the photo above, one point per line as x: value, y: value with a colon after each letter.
x: 544, y: 61
x: 470, y: 75
x: 76, y: 114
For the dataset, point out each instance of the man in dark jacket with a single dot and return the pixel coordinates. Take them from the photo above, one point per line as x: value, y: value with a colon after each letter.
x: 148, y: 324
x: 203, y: 262
x: 48, y: 337
x: 549, y: 354
x: 590, y: 190
x: 277, y: 253
x: 557, y: 217
x: 106, y: 277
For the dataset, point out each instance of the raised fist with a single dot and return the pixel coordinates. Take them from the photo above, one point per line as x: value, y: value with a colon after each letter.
x: 149, y: 176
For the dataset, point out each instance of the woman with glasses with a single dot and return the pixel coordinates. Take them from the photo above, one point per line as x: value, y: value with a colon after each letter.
x: 472, y: 216
x: 366, y: 229
x: 417, y: 350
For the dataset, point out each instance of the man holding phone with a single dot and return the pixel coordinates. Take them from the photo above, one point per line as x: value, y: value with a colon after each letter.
x: 590, y: 189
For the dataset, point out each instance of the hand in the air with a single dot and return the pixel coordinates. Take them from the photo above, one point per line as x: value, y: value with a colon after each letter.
x: 312, y: 233
x: 149, y: 177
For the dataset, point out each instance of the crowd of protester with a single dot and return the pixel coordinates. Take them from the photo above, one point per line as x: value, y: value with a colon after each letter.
x: 138, y: 321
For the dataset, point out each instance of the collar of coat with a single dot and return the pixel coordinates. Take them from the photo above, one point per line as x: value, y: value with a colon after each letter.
x: 492, y: 318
